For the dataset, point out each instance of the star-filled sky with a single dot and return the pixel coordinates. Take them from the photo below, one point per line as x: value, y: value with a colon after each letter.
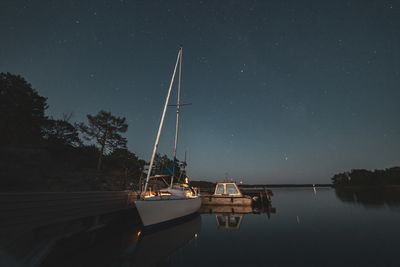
x: 282, y: 91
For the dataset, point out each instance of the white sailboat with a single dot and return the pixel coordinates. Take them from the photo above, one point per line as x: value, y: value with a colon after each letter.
x: 175, y: 201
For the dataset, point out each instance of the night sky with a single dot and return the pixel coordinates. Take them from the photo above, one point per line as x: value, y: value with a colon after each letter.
x: 282, y: 91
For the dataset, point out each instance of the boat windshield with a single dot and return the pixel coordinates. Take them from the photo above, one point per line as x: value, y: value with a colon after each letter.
x: 231, y: 189
x: 220, y: 189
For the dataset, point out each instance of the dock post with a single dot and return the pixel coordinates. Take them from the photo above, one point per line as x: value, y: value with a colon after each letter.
x: 262, y: 201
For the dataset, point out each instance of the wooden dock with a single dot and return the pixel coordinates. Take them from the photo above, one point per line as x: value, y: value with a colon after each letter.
x: 26, y: 211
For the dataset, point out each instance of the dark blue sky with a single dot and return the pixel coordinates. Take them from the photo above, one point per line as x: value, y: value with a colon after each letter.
x: 282, y: 91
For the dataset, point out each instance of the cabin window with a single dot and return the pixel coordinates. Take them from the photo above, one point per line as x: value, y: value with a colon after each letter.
x: 221, y: 220
x: 231, y: 189
x: 220, y: 189
x: 233, y: 221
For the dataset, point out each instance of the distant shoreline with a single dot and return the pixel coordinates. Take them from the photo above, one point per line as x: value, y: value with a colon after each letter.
x: 285, y: 185
x: 206, y: 184
x: 363, y: 187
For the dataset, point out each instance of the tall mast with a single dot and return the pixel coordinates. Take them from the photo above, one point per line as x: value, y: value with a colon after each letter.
x: 178, y: 106
x: 161, y: 122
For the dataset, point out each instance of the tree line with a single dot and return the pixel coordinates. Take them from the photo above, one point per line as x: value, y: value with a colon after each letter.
x: 97, y: 143
x: 361, y: 177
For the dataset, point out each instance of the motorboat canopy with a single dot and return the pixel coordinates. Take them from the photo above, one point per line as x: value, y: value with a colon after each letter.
x: 227, y: 189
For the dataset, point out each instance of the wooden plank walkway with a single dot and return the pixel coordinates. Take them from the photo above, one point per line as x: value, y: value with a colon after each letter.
x: 24, y: 211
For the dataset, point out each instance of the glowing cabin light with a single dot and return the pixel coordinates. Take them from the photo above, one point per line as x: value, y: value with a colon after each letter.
x: 139, y: 233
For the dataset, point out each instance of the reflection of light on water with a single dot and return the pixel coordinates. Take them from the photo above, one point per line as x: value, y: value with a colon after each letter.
x: 298, y: 219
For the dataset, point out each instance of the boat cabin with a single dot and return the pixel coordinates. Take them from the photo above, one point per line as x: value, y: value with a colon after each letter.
x: 227, y: 189
x: 160, y: 188
x: 227, y: 194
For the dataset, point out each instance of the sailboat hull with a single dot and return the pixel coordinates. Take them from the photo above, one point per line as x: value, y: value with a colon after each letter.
x: 153, y: 212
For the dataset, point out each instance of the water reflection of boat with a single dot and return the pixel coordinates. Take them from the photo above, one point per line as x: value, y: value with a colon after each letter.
x: 268, y: 209
x: 226, y: 209
x: 231, y: 217
x: 229, y: 221
x: 227, y: 217
x: 155, y: 248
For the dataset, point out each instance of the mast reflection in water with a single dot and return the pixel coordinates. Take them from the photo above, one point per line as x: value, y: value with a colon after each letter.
x: 155, y: 248
x: 123, y: 245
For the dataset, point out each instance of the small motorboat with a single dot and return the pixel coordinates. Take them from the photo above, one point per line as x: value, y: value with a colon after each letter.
x: 227, y: 193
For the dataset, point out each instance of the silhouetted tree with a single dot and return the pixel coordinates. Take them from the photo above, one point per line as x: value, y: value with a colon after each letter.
x: 105, y: 129
x: 61, y: 132
x: 165, y: 166
x: 21, y: 111
x: 87, y: 156
x: 123, y: 160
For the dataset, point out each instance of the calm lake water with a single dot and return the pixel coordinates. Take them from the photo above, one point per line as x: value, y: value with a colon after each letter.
x: 304, y: 228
